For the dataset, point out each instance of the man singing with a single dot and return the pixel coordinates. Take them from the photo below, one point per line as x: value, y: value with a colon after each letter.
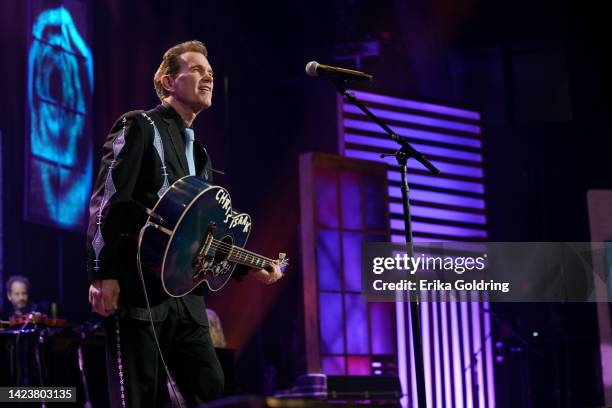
x: 144, y: 153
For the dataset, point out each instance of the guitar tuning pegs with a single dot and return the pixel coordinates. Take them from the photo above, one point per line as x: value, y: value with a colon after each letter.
x: 283, y: 261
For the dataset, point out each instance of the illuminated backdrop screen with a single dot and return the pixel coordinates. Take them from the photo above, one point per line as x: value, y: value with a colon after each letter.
x: 60, y: 84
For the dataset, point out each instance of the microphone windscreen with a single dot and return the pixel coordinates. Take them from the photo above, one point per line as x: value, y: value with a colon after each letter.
x: 311, y: 68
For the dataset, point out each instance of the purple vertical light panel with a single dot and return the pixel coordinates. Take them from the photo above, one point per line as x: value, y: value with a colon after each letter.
x: 457, y: 368
x: 467, y: 355
x: 413, y: 385
x: 356, y: 324
x: 327, y: 198
x: 328, y: 261
x: 375, y: 211
x: 381, y: 318
x: 427, y: 352
x: 331, y: 324
x: 351, y: 252
x: 350, y: 187
x: 489, y: 355
x: 435, y: 339
x: 446, y: 354
x: 478, y: 347
x: 333, y: 365
x: 402, y: 358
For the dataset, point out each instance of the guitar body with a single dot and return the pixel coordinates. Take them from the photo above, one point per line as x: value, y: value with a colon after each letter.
x: 189, y: 236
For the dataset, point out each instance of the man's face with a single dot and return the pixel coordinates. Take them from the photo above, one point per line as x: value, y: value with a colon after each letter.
x: 18, y: 295
x: 193, y: 84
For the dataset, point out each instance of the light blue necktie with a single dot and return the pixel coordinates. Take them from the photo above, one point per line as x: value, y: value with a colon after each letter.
x: 189, y: 138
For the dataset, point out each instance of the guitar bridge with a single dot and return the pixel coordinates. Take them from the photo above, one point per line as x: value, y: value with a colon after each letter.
x: 198, y: 261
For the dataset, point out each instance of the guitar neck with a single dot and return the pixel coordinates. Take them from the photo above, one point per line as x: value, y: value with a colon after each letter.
x: 243, y: 257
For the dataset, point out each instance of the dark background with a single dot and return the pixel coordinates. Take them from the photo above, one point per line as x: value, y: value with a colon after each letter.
x: 537, y: 71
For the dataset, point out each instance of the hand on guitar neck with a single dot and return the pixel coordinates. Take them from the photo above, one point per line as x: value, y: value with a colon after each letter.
x: 268, y: 276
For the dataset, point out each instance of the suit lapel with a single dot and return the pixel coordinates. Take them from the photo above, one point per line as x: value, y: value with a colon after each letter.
x: 178, y: 144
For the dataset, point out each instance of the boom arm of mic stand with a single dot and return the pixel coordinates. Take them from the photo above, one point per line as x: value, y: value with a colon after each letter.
x: 405, y: 146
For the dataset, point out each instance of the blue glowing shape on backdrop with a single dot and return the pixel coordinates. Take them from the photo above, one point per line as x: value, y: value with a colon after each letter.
x: 60, y: 82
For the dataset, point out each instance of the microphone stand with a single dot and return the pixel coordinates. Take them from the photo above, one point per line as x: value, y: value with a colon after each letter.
x: 405, y: 152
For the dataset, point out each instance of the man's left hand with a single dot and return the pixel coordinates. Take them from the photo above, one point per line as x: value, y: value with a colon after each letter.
x: 268, y: 277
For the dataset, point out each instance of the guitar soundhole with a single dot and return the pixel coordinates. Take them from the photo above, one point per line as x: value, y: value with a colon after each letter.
x: 223, y: 249
x: 215, y: 262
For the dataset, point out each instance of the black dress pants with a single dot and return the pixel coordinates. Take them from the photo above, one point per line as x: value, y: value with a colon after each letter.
x: 135, y: 372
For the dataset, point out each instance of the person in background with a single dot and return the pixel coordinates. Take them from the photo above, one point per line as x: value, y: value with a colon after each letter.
x: 18, y: 294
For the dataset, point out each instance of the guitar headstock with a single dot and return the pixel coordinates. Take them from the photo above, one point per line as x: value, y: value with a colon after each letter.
x: 283, y: 261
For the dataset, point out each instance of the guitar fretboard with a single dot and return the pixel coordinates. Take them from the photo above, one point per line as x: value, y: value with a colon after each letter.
x: 242, y: 256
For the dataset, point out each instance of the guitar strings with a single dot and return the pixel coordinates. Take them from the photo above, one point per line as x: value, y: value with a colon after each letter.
x: 224, y: 248
x: 242, y: 259
x: 221, y: 244
x: 240, y: 253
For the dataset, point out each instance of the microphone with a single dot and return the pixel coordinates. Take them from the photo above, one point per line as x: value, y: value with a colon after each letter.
x: 313, y: 68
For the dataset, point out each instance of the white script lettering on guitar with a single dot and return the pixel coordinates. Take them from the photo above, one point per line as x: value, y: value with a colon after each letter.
x: 243, y: 220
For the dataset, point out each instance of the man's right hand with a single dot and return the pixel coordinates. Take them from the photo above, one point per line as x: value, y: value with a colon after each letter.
x: 103, y: 296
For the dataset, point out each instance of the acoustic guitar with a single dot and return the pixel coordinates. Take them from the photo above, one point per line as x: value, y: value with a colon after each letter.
x: 193, y: 235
